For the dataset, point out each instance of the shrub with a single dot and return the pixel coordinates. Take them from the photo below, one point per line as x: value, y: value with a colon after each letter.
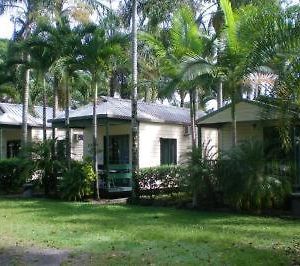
x: 165, y: 179
x: 244, y: 181
x: 77, y: 183
x: 201, y: 179
x: 13, y: 174
x: 47, y: 165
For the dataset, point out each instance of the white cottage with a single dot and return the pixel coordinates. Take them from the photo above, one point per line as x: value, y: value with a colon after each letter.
x: 164, y: 131
x: 255, y: 120
x: 11, y: 130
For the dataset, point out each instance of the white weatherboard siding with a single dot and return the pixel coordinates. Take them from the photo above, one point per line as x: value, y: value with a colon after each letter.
x: 122, y: 129
x: 244, y: 112
x: 150, y: 134
x: 245, y: 131
x: 210, y: 141
x: 36, y: 135
x: 76, y: 144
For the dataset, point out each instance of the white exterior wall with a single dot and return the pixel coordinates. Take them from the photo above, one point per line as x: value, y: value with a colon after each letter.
x: 210, y: 142
x: 150, y: 134
x: 36, y: 135
x: 245, y: 131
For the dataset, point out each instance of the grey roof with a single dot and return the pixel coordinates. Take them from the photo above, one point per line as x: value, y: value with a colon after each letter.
x: 121, y: 109
x: 11, y: 114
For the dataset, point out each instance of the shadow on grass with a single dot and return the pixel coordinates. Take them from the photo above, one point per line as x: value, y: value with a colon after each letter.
x: 131, y: 233
x: 32, y: 256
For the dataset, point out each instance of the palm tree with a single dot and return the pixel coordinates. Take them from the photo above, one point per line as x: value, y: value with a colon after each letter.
x: 41, y: 61
x: 177, y: 59
x: 29, y: 11
x: 134, y: 108
x: 96, y: 52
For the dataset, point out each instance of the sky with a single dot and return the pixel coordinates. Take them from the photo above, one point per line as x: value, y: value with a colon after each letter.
x: 7, y: 26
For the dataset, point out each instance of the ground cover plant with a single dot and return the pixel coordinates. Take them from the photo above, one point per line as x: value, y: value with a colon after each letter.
x: 134, y: 235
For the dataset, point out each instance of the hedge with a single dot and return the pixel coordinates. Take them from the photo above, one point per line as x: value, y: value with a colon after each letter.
x: 162, y: 180
x: 13, y: 174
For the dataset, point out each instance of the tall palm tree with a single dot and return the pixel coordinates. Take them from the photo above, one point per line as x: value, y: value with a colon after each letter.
x: 28, y: 12
x: 134, y: 107
x: 187, y: 44
x: 96, y: 52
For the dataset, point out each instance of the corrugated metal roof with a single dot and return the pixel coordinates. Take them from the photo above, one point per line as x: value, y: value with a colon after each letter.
x: 11, y: 114
x: 121, y: 109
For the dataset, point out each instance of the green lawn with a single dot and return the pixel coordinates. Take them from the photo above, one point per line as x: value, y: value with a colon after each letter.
x: 132, y: 235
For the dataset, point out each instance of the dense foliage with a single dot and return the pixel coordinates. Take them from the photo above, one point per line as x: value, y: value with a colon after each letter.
x: 13, y: 174
x: 78, y: 182
x: 203, y: 182
x: 245, y: 182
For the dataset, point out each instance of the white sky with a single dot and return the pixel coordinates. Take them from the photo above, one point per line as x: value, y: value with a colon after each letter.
x: 7, y: 26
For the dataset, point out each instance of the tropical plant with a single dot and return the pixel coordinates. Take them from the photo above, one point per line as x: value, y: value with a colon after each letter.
x: 47, y: 165
x: 13, y: 174
x: 177, y: 59
x: 77, y: 182
x: 95, y: 54
x: 134, y: 103
x: 244, y: 181
x: 202, y: 180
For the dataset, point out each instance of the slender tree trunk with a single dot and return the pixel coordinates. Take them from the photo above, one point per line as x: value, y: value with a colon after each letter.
x: 67, y: 124
x: 193, y: 136
x: 95, y: 136
x: 220, y: 95
x: 25, y: 109
x: 44, y: 111
x: 55, y: 108
x: 193, y: 118
x: 134, y: 121
x: 182, y: 96
x: 147, y: 95
x: 233, y: 117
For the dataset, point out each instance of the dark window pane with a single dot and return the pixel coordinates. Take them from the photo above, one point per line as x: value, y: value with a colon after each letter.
x: 13, y: 148
x: 168, y: 151
x: 118, y: 149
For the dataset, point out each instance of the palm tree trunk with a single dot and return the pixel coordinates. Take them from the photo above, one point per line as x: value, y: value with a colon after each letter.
x: 25, y: 109
x: 147, y: 95
x: 193, y: 118
x: 44, y: 111
x: 67, y: 124
x: 182, y: 96
x: 134, y: 122
x: 95, y: 138
x: 220, y: 95
x: 55, y: 107
x: 233, y: 118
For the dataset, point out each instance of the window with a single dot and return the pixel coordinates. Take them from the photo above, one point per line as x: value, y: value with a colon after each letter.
x: 168, y: 151
x: 118, y: 149
x: 13, y: 148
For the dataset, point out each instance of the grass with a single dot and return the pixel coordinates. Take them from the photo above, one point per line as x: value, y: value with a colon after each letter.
x: 133, y: 235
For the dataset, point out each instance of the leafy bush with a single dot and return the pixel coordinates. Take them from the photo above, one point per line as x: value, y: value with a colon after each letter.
x: 77, y: 183
x: 244, y: 181
x: 165, y: 179
x: 47, y: 165
x: 13, y: 174
x: 201, y: 176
